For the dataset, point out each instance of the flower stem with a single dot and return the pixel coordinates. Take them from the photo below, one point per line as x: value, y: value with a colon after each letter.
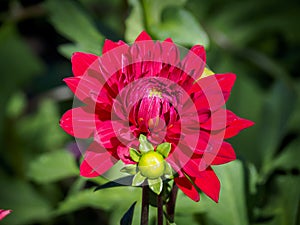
x: 145, y: 205
x: 171, y: 203
x: 160, y: 210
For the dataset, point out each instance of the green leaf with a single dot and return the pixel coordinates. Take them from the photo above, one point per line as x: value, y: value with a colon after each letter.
x: 53, y: 166
x: 278, y: 108
x: 134, y: 22
x: 187, y: 208
x: 164, y: 149
x: 184, y: 219
x: 164, y: 19
x: 145, y: 145
x: 76, y: 25
x: 138, y: 179
x: 289, y: 158
x: 253, y: 178
x: 154, y: 9
x: 182, y: 27
x: 270, y: 66
x: 131, y: 169
x: 231, y: 208
x: 134, y: 154
x: 284, y: 201
x: 45, y: 119
x: 128, y: 216
x: 16, y: 105
x: 67, y: 50
x: 156, y: 185
x: 123, y: 181
x: 113, y: 200
x: 18, y: 65
x: 28, y: 205
x: 168, y: 171
x: 295, y: 117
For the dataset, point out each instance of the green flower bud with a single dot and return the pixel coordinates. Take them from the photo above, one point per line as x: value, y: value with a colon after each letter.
x: 151, y: 165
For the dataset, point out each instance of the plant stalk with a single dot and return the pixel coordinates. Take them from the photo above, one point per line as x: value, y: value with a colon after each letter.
x: 160, y: 210
x: 145, y: 205
x: 171, y: 203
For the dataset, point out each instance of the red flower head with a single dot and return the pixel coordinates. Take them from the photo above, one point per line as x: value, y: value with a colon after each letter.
x: 152, y: 96
x: 4, y: 213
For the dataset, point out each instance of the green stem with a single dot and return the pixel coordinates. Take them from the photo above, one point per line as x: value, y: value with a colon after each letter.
x: 145, y: 205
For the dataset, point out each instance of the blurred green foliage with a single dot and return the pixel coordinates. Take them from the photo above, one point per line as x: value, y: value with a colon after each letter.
x: 257, y: 40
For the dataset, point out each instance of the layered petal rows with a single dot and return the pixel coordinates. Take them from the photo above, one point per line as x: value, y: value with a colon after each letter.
x: 151, y: 88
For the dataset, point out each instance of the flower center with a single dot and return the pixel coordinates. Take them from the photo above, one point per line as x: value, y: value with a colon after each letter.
x: 152, y: 165
x: 155, y: 93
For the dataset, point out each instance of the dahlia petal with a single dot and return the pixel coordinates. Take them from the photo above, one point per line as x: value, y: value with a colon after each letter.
x: 144, y: 47
x: 226, y: 82
x: 209, y: 183
x: 187, y: 188
x: 171, y: 54
x: 191, y: 168
x: 97, y: 160
x: 86, y: 170
x: 110, y: 63
x: 199, y: 51
x: 202, y: 143
x: 79, y: 122
x: 174, y: 164
x: 110, y: 45
x: 110, y: 134
x: 195, y: 113
x: 217, y: 121
x: 237, y: 125
x: 213, y: 91
x: 81, y: 61
x: 4, y: 213
x: 181, y: 156
x: 175, y: 75
x: 83, y: 86
x: 106, y: 135
x: 123, y: 153
x: 143, y: 36
x: 148, y: 109
x: 194, y: 62
x: 168, y: 40
x: 224, y: 155
x: 152, y: 67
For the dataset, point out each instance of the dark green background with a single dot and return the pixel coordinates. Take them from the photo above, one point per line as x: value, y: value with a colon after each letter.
x: 257, y: 40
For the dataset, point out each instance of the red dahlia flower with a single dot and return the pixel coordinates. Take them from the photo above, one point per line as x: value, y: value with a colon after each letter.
x: 4, y: 213
x: 151, y: 91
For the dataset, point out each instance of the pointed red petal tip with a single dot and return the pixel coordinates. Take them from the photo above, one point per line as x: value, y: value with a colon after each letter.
x: 97, y: 160
x: 187, y: 188
x: 226, y: 81
x: 143, y: 36
x: 237, y: 126
x: 4, y: 213
x: 199, y: 51
x: 78, y: 123
x: 72, y: 83
x: 209, y: 183
x: 81, y: 61
x: 225, y: 154
x: 168, y: 40
x: 110, y: 45
x: 87, y: 171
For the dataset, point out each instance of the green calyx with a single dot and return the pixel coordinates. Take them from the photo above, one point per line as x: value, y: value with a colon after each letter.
x: 151, y: 164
